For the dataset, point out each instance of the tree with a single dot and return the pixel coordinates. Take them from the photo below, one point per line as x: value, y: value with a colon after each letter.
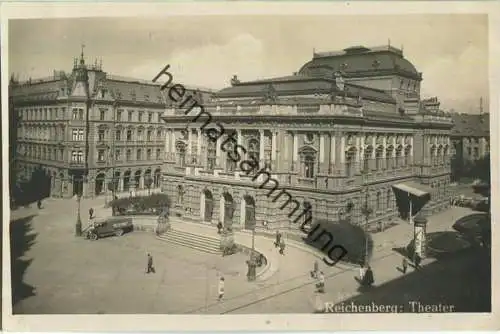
x: 148, y: 182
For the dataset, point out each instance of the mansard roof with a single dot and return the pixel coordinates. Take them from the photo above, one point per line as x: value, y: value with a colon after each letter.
x: 361, y: 61
x: 301, y: 85
x: 470, y: 125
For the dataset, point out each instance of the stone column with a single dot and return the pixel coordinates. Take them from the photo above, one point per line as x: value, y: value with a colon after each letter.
x: 199, y: 139
x: 374, y: 147
x: 342, y: 150
x: 332, y: 152
x: 321, y: 151
x: 273, y: 147
x: 384, y: 151
x: 261, y: 148
x: 239, y: 141
x: 295, y: 152
x: 218, y: 152
x: 172, y: 144
x: 361, y: 150
x: 189, y: 152
x: 394, y: 146
x: 167, y: 145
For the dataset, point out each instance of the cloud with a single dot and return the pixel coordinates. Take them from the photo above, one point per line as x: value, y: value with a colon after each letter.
x: 212, y: 65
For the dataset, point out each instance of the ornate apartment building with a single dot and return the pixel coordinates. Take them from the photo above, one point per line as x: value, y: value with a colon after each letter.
x: 87, y: 128
x: 349, y: 129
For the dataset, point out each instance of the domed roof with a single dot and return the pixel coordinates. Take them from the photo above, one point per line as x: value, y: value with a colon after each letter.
x: 360, y: 61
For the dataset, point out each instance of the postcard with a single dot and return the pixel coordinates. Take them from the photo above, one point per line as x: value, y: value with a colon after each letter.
x: 249, y: 166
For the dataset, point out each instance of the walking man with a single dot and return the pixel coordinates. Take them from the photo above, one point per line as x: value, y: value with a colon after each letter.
x: 405, y: 265
x: 219, y: 227
x: 314, y: 273
x: 362, y: 271
x: 150, y: 268
x: 221, y: 288
x: 91, y: 213
x: 39, y: 204
x: 282, y: 247
x: 278, y: 239
x: 321, y: 282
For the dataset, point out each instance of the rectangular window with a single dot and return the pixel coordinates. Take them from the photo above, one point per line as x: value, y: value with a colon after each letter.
x: 130, y: 116
x: 148, y: 154
x: 150, y: 134
x: 80, y: 156
x: 129, y: 135
x: 118, y: 135
x: 100, y: 156
x: 80, y: 135
x: 102, y: 114
x: 129, y: 155
x: 63, y: 112
x: 158, y: 135
x: 150, y: 117
x: 75, y: 113
x: 118, y: 155
x: 139, y: 154
x: 119, y: 115
x: 139, y: 135
x: 74, y: 134
x: 158, y: 154
x: 140, y: 116
x: 80, y: 114
x: 74, y: 156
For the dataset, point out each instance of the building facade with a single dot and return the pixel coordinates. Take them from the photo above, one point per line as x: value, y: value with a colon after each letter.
x: 87, y: 129
x: 347, y: 131
x: 470, y: 139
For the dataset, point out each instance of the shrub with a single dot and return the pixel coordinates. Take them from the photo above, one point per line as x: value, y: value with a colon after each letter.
x: 352, y: 237
x: 151, y: 205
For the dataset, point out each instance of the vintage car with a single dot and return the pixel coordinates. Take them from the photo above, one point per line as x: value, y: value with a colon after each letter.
x: 109, y: 226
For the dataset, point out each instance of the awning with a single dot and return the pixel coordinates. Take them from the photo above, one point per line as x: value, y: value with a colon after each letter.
x: 413, y: 188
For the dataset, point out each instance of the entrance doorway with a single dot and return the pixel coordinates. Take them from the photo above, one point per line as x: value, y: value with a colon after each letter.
x: 249, y: 213
x: 99, y: 183
x: 209, y: 206
x: 228, y: 210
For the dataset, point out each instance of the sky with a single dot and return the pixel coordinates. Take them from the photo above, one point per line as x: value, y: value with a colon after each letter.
x: 206, y: 51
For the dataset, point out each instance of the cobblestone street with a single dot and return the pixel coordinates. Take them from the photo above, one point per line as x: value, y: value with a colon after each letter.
x: 74, y: 275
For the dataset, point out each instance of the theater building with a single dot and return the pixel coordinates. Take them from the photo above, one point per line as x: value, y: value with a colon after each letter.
x: 348, y: 129
x: 86, y: 128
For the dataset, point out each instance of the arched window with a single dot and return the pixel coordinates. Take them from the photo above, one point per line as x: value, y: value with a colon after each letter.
x: 433, y: 154
x: 309, y: 166
x: 253, y: 150
x: 407, y: 158
x: 349, y: 162
x: 399, y: 153
x: 389, y: 157
x: 181, y: 154
x: 211, y: 154
x: 366, y: 159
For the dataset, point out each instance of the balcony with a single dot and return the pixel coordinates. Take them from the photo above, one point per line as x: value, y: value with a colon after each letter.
x: 77, y: 164
x: 307, y: 182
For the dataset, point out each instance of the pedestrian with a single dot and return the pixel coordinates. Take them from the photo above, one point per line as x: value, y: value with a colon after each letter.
x: 91, y: 213
x: 219, y: 227
x: 39, y: 204
x: 405, y: 265
x: 151, y: 268
x: 321, y: 282
x: 282, y: 247
x: 314, y: 273
x: 221, y: 288
x: 418, y: 259
x: 362, y: 272
x: 278, y: 239
x: 368, y: 278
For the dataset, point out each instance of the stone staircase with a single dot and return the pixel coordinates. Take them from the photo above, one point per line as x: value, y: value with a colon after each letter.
x: 201, y: 243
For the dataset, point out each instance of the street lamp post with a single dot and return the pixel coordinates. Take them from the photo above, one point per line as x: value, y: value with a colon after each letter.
x: 366, y: 211
x: 78, y: 225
